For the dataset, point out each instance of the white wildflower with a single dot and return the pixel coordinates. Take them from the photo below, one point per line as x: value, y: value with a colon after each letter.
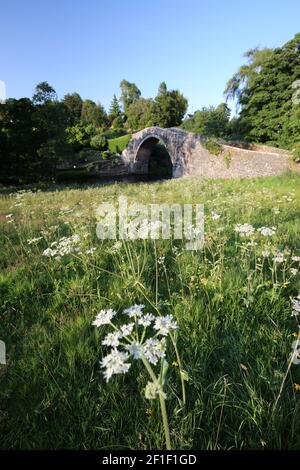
x: 244, y: 229
x: 146, y: 319
x: 104, y: 317
x: 215, y: 215
x: 152, y: 390
x: 296, y: 306
x: 135, y: 349
x: 126, y: 330
x: 134, y: 311
x: 153, y: 350
x: 296, y: 352
x: 49, y: 252
x: 266, y: 231
x: 34, y: 240
x: 90, y: 251
x: 165, y: 324
x: 112, y: 339
x: 293, y: 271
x: 265, y: 253
x: 279, y: 258
x: 115, y: 363
x: 296, y: 258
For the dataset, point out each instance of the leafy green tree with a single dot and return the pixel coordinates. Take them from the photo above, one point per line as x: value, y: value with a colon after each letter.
x: 93, y: 114
x: 139, y: 114
x: 267, y: 111
x: 169, y: 108
x: 99, y: 142
x: 211, y: 121
x: 44, y: 93
x: 129, y: 94
x: 80, y: 135
x: 73, y: 102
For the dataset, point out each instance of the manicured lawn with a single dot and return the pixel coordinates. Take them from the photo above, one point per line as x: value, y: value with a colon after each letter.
x: 118, y: 144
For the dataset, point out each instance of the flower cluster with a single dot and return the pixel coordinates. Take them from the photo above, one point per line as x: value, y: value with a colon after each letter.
x: 134, y: 340
x: 266, y: 231
x: 296, y: 306
x: 64, y: 246
x: 245, y: 230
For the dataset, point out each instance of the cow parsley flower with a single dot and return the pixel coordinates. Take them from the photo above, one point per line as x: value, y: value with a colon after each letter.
x: 296, y: 306
x: 115, y: 363
x: 135, y: 349
x: 165, y: 324
x: 266, y: 231
x: 279, y: 258
x: 126, y: 330
x: 146, y: 319
x: 104, y: 317
x: 295, y: 258
x: 112, y: 339
x: 153, y: 350
x: 244, y: 230
x: 152, y: 390
x: 134, y: 311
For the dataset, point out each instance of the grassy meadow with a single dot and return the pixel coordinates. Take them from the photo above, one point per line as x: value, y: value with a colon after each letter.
x: 232, y: 302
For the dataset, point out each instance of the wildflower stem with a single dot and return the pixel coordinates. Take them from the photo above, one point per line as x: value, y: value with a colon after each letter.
x: 287, y: 371
x: 165, y: 421
x: 180, y: 369
x: 161, y: 402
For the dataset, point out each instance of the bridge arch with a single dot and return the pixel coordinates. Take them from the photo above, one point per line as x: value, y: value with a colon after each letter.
x: 153, y: 157
x: 137, y: 155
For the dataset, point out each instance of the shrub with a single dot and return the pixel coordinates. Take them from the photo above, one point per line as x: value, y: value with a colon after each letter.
x: 98, y: 142
x: 212, y: 146
x: 296, y: 153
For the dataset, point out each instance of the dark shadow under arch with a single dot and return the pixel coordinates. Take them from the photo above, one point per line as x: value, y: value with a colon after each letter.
x: 153, y: 159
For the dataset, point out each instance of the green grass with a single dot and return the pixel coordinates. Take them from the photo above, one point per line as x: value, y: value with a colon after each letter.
x: 234, y: 315
x: 118, y: 144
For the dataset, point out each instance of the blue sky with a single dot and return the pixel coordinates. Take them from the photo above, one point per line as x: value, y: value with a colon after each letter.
x: 90, y: 46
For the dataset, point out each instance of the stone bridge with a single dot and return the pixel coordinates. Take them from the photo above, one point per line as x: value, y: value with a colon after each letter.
x: 178, y: 143
x: 189, y: 157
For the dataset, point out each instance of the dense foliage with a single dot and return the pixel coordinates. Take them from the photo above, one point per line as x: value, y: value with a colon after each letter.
x: 39, y: 134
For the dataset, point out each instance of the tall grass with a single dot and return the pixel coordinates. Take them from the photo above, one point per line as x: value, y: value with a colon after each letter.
x: 231, y: 303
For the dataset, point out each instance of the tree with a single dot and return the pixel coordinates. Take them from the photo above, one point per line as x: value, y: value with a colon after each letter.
x: 268, y: 113
x: 169, y: 109
x: 129, y: 94
x: 99, y: 142
x: 19, y: 138
x: 73, y: 102
x: 93, y: 113
x: 80, y: 135
x: 44, y: 93
x: 114, y: 110
x: 162, y: 89
x: 210, y: 122
x: 139, y: 114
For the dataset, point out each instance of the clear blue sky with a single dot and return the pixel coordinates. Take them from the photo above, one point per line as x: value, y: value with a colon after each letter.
x: 90, y: 46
